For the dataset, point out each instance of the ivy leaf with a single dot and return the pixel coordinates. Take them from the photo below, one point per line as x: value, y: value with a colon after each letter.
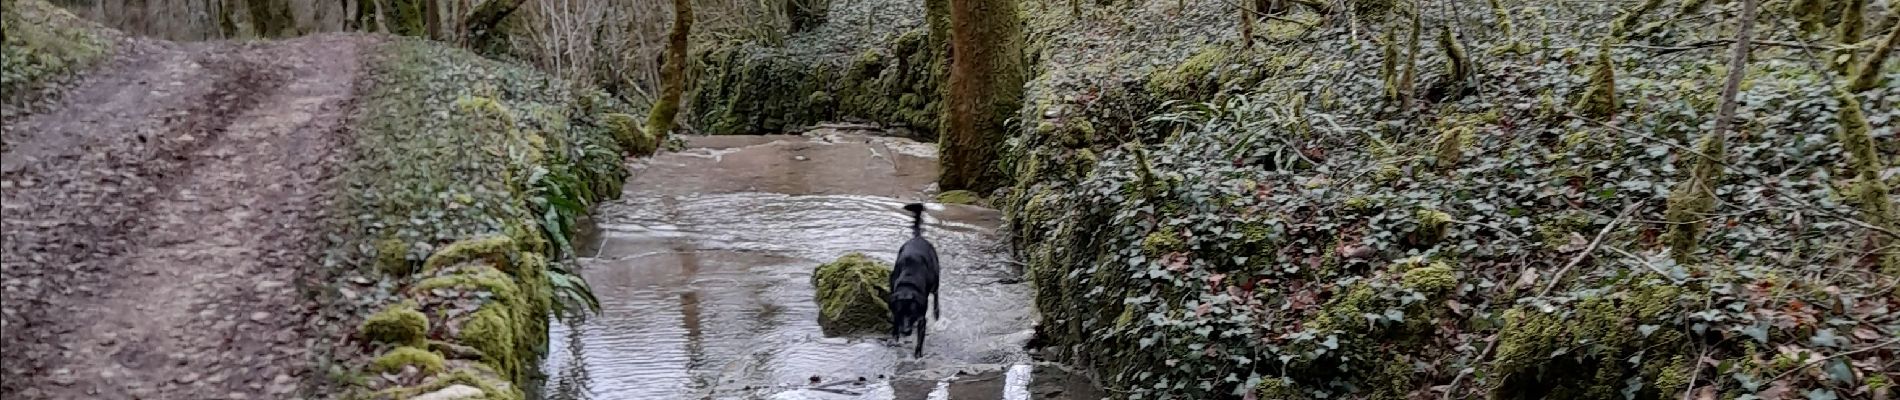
x: 1759, y: 332
x: 1395, y: 315
x: 1645, y: 330
x: 1826, y: 337
x: 1839, y: 371
x: 1822, y: 394
x: 1331, y: 343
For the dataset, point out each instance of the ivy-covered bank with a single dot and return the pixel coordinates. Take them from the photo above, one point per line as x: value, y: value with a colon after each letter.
x: 1386, y: 200
x: 449, y: 250
x: 45, y: 43
x: 873, y: 61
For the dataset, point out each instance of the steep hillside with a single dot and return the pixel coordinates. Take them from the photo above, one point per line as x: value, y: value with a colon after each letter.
x: 44, y: 43
x: 1411, y: 200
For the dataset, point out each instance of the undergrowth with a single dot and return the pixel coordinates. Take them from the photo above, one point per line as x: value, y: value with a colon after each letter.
x: 457, y: 158
x: 44, y: 43
x: 1343, y: 212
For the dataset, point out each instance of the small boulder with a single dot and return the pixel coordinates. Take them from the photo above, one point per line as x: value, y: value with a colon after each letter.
x: 395, y: 360
x: 851, y: 295
x: 963, y: 197
x: 453, y: 392
x: 399, y: 324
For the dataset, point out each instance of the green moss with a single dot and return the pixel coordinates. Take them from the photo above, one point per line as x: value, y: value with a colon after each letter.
x: 1541, y: 352
x: 1278, y: 388
x: 960, y: 197
x: 1629, y: 17
x: 492, y: 331
x: 1556, y: 231
x: 1451, y: 146
x: 392, y: 257
x: 1867, y: 75
x: 398, y: 324
x: 1082, y: 162
x: 44, y: 43
x: 1433, y: 225
x: 626, y: 130
x: 493, y: 387
x: 850, y: 295
x: 1358, y: 205
x: 1458, y: 68
x: 1433, y: 277
x: 1693, y: 198
x: 406, y: 356
x: 1599, y: 100
x: 1162, y: 242
x: 1194, y: 78
x: 496, y: 249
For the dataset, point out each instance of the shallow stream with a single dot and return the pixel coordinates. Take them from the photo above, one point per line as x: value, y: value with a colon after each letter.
x: 703, y: 269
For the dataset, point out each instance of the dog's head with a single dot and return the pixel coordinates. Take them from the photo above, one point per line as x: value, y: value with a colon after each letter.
x: 907, y: 307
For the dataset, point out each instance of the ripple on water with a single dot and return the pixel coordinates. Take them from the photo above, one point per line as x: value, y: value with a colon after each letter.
x: 709, y: 295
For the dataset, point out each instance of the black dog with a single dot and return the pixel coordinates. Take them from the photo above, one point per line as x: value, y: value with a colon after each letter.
x: 913, y: 278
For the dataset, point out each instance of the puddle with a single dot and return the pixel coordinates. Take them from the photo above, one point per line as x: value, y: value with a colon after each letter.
x: 704, y: 267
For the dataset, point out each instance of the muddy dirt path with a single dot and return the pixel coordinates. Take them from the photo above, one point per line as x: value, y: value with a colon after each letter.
x: 158, y: 218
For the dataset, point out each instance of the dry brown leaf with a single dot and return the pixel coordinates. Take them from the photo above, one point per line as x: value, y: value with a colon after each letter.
x: 1526, y: 278
x: 1775, y: 391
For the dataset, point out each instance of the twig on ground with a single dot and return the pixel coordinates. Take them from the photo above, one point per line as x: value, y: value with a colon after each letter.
x: 1803, y: 366
x: 1558, y: 276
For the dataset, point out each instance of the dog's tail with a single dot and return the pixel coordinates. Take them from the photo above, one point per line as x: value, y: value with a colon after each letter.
x: 917, y: 221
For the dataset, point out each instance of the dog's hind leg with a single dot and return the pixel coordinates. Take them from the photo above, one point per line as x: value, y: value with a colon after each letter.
x: 921, y: 325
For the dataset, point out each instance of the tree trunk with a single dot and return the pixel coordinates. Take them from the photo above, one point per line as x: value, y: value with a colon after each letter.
x: 432, y: 19
x: 672, y: 73
x: 1695, y: 197
x: 986, y: 83
x: 484, y: 23
x: 1246, y: 24
x: 271, y: 18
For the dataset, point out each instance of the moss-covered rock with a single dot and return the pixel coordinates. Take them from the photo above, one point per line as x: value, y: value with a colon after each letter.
x: 491, y: 386
x: 495, y: 249
x: 1534, y: 348
x: 493, y: 331
x: 850, y: 295
x: 398, y: 324
x: 392, y: 258
x: 963, y: 197
x: 626, y: 129
x: 397, y: 359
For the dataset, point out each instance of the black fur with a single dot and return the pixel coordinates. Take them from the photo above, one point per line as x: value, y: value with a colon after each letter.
x: 912, y: 279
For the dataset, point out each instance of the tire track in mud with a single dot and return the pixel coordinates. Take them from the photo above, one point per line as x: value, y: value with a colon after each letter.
x: 157, y: 218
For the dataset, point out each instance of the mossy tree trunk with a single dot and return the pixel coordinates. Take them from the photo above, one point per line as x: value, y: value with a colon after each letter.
x: 1246, y: 24
x: 483, y: 24
x: 1869, y: 192
x: 271, y: 18
x: 1868, y: 74
x: 227, y: 23
x: 672, y: 73
x: 1696, y: 196
x: 1853, y: 24
x: 986, y: 83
